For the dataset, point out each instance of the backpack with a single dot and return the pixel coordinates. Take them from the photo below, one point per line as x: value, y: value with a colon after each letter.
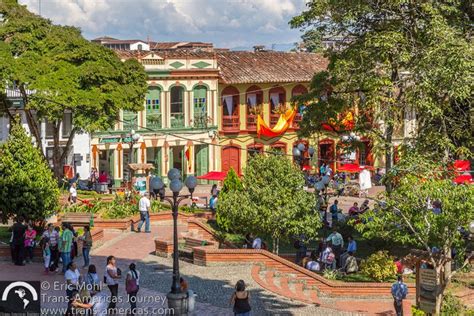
x: 131, y: 285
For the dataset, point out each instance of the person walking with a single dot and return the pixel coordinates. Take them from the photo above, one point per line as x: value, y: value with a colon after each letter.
x: 53, y: 236
x: 86, y: 245
x: 18, y: 241
x: 144, y: 206
x: 399, y: 293
x: 30, y: 243
x: 66, y: 244
x: 334, y: 209
x: 112, y: 275
x: 132, y: 285
x: 240, y: 300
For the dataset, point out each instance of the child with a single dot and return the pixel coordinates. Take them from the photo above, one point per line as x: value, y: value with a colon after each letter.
x: 46, y: 254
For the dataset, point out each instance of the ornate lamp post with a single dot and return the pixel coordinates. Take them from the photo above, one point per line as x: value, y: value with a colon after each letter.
x: 176, y: 299
x: 134, y: 138
x: 298, y: 153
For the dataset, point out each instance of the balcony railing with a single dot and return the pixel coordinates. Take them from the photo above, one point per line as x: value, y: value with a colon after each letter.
x: 251, y: 122
x: 177, y: 120
x: 153, y: 120
x: 200, y: 120
x: 274, y: 118
x: 297, y: 120
x: 231, y: 123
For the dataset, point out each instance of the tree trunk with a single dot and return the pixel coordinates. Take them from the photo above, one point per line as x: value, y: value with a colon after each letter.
x: 57, y: 161
x: 388, y: 153
x: 276, y: 245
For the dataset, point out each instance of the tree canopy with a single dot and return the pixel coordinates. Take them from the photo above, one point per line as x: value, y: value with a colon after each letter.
x: 398, y: 59
x: 66, y: 73
x: 28, y: 186
x: 271, y: 202
x: 426, y: 211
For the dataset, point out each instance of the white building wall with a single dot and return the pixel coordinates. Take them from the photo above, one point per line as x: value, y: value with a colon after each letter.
x: 81, y: 147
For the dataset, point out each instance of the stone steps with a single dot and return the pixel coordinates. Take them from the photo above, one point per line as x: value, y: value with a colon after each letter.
x: 284, y: 284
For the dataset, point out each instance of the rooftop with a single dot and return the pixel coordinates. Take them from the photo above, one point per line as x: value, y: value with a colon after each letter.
x: 268, y: 66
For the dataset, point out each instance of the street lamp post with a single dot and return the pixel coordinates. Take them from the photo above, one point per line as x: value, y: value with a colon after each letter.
x: 177, y: 300
x: 134, y: 138
x: 298, y: 153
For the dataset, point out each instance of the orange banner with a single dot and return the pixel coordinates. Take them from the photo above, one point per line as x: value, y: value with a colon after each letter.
x: 284, y: 122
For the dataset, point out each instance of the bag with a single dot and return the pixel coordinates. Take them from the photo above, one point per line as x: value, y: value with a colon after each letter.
x: 131, y: 284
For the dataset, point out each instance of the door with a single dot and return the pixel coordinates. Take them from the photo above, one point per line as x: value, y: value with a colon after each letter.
x: 201, y: 161
x: 231, y: 158
x: 153, y: 156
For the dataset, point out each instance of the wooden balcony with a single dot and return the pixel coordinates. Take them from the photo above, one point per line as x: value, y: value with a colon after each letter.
x: 231, y: 123
x: 274, y: 119
x: 297, y: 120
x: 252, y: 122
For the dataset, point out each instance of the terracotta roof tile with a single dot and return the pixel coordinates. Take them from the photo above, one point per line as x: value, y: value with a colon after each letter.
x: 261, y: 67
x: 179, y: 54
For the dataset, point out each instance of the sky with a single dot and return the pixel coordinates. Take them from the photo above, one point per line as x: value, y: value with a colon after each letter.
x: 237, y: 24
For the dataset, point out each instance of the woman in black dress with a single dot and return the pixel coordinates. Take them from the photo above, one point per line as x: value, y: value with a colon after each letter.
x: 240, y: 300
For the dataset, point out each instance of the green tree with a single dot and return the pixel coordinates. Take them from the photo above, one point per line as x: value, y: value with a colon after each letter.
x: 231, y: 183
x: 399, y: 58
x: 28, y: 186
x: 406, y: 217
x: 271, y: 203
x: 67, y: 74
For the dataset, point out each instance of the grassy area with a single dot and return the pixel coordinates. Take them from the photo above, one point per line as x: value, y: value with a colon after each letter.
x: 5, y: 234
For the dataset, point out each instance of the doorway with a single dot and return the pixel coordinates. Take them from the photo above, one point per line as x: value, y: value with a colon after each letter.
x: 176, y: 159
x: 326, y: 153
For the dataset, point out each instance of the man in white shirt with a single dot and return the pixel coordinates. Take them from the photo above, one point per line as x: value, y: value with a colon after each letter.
x: 73, y: 193
x: 257, y: 243
x: 144, y: 206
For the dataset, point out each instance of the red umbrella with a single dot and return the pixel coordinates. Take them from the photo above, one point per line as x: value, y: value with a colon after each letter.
x: 213, y: 176
x: 350, y: 167
x: 306, y: 167
x: 465, y: 178
x: 462, y: 165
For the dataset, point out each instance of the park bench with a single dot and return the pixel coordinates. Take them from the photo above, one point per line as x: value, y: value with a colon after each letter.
x: 186, y: 253
x: 76, y: 219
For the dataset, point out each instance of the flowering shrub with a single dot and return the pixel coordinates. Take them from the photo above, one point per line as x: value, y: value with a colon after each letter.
x: 379, y: 266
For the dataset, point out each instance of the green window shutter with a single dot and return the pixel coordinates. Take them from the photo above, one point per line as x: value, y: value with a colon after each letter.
x: 201, y: 161
x: 200, y: 106
x: 153, y: 107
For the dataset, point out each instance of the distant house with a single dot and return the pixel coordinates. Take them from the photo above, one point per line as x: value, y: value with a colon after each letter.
x: 113, y: 43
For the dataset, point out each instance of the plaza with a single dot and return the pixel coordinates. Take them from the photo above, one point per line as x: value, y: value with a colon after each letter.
x: 236, y: 158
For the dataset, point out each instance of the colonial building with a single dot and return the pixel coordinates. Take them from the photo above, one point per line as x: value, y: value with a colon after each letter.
x: 178, y: 123
x: 79, y: 156
x: 262, y: 83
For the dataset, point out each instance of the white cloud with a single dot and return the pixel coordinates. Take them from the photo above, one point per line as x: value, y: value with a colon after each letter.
x: 224, y: 22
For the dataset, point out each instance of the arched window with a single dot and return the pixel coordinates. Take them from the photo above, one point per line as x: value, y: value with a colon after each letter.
x: 140, y: 47
x: 254, y: 102
x: 153, y: 107
x: 230, y: 109
x: 295, y: 92
x: 177, y: 107
x: 277, y: 99
x: 200, y: 106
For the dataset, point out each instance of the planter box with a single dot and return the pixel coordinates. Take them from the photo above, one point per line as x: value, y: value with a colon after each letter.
x: 122, y: 224
x: 163, y: 248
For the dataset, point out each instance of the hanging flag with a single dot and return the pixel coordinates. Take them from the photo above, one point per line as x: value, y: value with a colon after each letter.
x: 187, y: 153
